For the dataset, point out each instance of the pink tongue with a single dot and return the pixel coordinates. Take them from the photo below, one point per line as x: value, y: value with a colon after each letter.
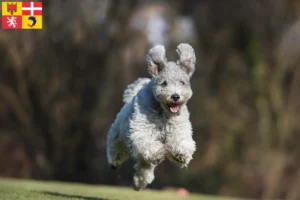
x: 174, y: 108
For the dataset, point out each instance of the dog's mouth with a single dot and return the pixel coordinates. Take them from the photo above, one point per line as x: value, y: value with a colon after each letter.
x: 174, y: 107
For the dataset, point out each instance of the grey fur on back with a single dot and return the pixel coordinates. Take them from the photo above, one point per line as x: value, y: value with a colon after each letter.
x: 133, y: 88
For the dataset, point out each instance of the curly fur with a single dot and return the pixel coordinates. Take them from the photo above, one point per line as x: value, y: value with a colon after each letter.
x: 153, y: 124
x: 134, y: 88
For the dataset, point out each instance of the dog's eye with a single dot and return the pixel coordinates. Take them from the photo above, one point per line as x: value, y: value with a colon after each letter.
x: 182, y: 83
x: 164, y: 83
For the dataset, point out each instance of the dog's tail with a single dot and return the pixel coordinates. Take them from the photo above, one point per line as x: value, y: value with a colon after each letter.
x: 133, y: 88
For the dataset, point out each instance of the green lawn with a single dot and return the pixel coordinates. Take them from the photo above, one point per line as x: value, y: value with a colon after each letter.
x: 12, y: 189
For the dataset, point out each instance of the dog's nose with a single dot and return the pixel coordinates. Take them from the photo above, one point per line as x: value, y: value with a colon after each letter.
x: 175, y: 97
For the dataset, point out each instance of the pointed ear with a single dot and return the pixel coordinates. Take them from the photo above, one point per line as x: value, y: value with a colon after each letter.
x: 187, y: 58
x: 156, y: 60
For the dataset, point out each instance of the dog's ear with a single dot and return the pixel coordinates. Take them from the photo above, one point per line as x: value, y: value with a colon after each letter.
x: 156, y: 59
x: 187, y: 58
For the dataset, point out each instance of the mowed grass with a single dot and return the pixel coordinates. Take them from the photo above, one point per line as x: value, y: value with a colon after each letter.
x: 13, y: 189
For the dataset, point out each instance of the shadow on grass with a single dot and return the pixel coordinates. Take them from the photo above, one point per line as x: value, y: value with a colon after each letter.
x: 73, y: 196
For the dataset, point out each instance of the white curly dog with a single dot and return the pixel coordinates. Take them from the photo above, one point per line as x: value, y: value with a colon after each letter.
x: 154, y: 122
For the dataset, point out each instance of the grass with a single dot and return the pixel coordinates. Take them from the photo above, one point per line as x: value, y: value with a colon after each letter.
x: 15, y: 189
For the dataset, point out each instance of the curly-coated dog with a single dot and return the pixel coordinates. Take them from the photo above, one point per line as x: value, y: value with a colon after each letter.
x: 154, y: 122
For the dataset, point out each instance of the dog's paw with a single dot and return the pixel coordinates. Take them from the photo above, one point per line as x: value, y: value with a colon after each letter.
x: 181, y: 159
x: 139, y: 183
x: 115, y: 165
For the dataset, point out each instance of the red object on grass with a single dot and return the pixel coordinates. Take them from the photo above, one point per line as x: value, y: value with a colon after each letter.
x: 182, y: 192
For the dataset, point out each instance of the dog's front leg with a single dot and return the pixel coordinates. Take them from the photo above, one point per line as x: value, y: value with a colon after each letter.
x: 149, y: 150
x: 146, y: 146
x: 144, y: 174
x: 181, y: 147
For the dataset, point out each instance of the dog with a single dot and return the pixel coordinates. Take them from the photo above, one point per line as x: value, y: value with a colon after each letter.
x: 154, y: 122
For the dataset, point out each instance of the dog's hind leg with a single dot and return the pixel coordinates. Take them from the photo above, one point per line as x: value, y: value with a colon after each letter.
x: 144, y: 174
x: 116, y: 149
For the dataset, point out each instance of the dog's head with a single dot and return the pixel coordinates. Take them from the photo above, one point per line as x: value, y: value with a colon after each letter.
x: 172, y: 80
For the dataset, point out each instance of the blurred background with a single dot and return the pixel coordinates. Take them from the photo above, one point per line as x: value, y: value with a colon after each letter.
x: 61, y: 88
